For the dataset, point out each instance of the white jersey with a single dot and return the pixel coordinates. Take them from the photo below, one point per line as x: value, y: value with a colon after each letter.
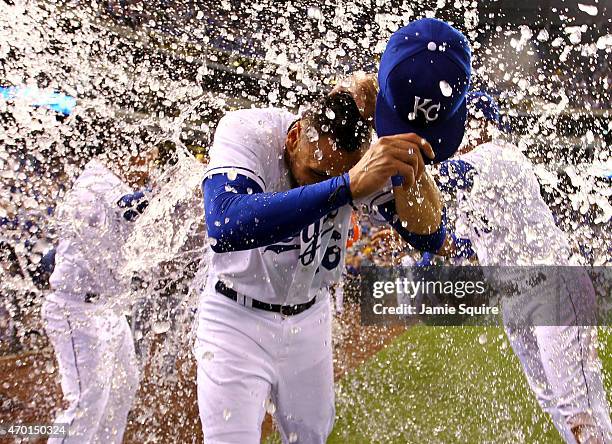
x: 504, y: 214
x: 91, y: 232
x: 251, y: 142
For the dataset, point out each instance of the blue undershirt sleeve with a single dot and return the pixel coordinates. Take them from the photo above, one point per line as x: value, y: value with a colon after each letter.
x: 422, y: 242
x: 455, y: 174
x: 240, y: 216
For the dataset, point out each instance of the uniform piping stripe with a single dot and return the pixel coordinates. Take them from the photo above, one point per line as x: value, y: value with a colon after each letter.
x: 77, y: 372
x: 207, y: 173
x: 586, y: 384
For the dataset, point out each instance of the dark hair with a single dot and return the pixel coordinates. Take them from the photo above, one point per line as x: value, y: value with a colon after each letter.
x: 337, y: 116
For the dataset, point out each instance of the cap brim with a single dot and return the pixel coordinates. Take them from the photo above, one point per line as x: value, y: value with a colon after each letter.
x: 445, y: 137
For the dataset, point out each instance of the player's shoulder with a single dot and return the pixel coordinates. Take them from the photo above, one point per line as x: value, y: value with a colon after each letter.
x: 256, y: 131
x: 497, y: 155
x: 252, y: 141
x: 248, y: 120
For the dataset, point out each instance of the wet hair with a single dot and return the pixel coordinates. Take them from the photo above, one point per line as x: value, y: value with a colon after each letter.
x: 337, y: 116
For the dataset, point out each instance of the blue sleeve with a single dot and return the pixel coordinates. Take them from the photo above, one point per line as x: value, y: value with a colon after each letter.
x: 240, y: 216
x: 456, y: 174
x: 134, y: 205
x: 47, y: 262
x: 422, y: 242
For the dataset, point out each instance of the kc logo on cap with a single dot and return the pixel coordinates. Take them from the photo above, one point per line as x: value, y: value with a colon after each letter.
x: 424, y: 76
x: 426, y: 111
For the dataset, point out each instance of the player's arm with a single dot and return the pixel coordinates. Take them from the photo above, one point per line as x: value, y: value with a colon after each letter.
x: 239, y: 220
x: 363, y: 88
x: 456, y: 175
x: 419, y: 206
x: 240, y: 216
x: 417, y: 213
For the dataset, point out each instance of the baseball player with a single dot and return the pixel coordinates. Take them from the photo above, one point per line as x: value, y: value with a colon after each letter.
x: 278, y: 194
x: 501, y: 211
x: 92, y: 340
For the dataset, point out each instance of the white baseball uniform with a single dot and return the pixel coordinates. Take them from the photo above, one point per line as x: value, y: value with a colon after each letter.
x: 247, y: 356
x: 509, y: 224
x: 92, y: 341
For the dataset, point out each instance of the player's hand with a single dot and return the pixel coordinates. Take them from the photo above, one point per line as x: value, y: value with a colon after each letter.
x: 386, y: 237
x: 399, y: 154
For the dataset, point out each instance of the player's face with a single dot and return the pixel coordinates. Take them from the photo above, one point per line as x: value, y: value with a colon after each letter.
x: 312, y: 162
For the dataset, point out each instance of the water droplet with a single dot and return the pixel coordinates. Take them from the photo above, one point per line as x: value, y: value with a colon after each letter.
x: 482, y: 339
x: 226, y: 220
x: 446, y: 89
x: 227, y: 414
x: 589, y: 9
x: 212, y: 241
x: 330, y: 114
x: 49, y: 367
x: 217, y: 223
x: 318, y: 154
x: 432, y: 46
x: 249, y: 190
x: 312, y: 134
x: 575, y: 37
x: 293, y: 437
x: 232, y: 174
x: 269, y: 406
x: 160, y: 327
x: 542, y: 35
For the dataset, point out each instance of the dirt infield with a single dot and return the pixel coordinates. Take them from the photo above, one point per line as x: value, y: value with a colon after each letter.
x: 166, y: 408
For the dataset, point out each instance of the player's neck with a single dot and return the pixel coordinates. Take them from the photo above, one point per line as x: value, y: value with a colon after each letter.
x: 287, y: 161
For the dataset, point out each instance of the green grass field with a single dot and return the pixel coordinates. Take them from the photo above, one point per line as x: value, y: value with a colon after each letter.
x: 445, y: 385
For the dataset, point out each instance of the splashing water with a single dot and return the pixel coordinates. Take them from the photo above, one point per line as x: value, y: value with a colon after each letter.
x: 446, y: 89
x: 148, y: 74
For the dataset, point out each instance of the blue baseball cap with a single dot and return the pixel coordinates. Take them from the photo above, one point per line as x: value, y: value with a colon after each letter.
x: 424, y: 76
x: 482, y: 105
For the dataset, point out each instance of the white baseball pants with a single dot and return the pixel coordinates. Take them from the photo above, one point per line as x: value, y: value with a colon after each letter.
x: 561, y: 362
x: 98, y: 368
x: 251, y: 360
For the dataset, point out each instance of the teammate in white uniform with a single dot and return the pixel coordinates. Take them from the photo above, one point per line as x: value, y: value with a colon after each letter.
x: 501, y: 211
x: 91, y: 338
x: 277, y: 197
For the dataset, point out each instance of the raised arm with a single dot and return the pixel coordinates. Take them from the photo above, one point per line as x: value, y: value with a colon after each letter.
x: 364, y: 89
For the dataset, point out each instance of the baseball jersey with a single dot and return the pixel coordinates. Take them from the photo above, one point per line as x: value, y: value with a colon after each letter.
x: 504, y: 214
x: 251, y: 142
x: 91, y: 231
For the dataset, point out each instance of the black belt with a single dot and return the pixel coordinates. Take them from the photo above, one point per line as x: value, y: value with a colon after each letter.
x: 286, y: 310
